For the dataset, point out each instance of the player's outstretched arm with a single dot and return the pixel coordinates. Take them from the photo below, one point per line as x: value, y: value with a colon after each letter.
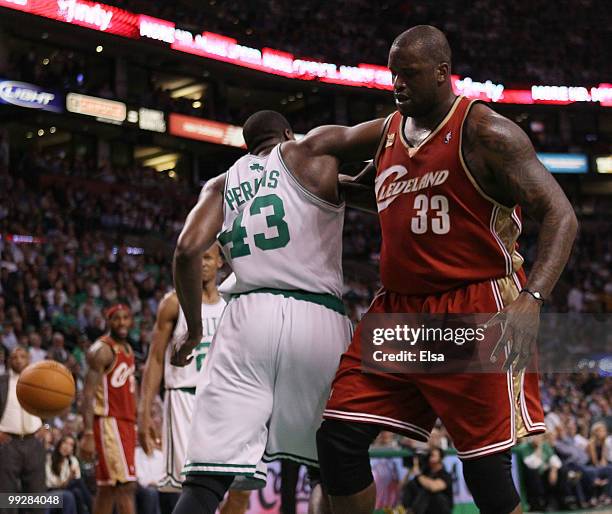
x: 508, y: 153
x: 203, y: 224
x: 358, y: 191
x: 167, y: 314
x: 347, y: 144
x: 99, y: 358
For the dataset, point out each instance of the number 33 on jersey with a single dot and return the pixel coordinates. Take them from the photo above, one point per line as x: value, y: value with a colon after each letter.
x: 276, y: 233
x: 440, y: 231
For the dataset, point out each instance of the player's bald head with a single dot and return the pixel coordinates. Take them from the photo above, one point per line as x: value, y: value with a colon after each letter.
x: 426, y: 41
x: 419, y: 60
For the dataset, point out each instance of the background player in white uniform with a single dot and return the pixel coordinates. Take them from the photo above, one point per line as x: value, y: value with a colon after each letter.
x: 180, y: 382
x: 280, y: 339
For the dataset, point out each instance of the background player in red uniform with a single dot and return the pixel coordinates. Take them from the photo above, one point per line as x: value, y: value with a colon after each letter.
x: 450, y: 177
x: 109, y: 415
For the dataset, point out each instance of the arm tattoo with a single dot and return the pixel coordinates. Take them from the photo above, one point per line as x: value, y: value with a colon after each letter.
x: 511, y: 159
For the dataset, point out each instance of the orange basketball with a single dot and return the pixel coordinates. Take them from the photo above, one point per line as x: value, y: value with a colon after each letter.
x: 45, y: 389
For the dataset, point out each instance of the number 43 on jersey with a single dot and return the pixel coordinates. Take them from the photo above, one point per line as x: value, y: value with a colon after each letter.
x: 237, y: 234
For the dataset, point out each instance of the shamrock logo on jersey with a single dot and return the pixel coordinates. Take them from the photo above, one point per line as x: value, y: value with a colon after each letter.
x: 256, y: 167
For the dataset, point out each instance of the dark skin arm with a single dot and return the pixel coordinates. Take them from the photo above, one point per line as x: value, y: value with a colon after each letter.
x: 315, y: 159
x: 504, y: 163
x: 167, y: 314
x: 347, y: 144
x: 99, y: 359
x: 203, y: 224
x: 358, y: 191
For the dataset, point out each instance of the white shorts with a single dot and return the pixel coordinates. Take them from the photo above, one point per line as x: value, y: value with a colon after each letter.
x: 178, y: 409
x: 265, y: 383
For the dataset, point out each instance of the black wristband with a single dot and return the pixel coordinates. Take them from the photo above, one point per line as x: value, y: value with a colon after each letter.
x: 536, y: 294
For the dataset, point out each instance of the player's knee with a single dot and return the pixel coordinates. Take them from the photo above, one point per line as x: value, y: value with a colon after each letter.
x: 343, y: 456
x: 202, y: 493
x: 496, y: 469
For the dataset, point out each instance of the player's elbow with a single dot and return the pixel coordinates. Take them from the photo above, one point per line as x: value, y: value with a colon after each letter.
x: 570, y: 224
x: 573, y: 223
x: 186, y: 249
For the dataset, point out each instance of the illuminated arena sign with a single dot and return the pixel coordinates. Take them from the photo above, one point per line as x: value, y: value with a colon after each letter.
x: 564, y: 162
x: 100, y: 108
x: 31, y: 96
x: 93, y: 15
x: 604, y: 164
x: 113, y: 20
x: 205, y: 130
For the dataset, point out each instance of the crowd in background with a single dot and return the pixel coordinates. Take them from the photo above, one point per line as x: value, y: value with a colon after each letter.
x: 54, y: 289
x: 356, y: 31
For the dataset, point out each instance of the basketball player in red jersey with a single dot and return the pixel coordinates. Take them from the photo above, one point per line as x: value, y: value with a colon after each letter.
x: 451, y: 177
x: 109, y: 415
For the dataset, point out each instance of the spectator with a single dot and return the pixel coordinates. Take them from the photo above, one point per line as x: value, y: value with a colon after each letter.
x: 541, y: 468
x: 63, y: 474
x: 37, y: 354
x: 58, y: 351
x: 572, y: 451
x: 22, y: 454
x: 429, y: 491
x: 598, y: 450
x: 8, y: 338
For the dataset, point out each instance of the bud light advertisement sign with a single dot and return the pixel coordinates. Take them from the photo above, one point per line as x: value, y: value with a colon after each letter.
x: 30, y: 96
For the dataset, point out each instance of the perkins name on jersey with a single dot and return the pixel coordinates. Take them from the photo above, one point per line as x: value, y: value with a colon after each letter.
x: 245, y: 191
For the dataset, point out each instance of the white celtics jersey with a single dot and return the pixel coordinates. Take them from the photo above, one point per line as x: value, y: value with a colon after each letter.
x: 176, y: 377
x: 276, y: 234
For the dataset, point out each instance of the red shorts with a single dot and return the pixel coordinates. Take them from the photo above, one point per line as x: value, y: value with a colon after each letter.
x: 115, y: 447
x: 484, y: 413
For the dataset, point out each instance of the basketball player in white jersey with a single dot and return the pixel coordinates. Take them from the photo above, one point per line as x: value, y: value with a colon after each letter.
x: 180, y: 382
x: 278, y: 219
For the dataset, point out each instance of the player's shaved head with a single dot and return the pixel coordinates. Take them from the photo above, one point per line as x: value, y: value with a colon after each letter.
x: 427, y: 41
x: 420, y: 61
x: 265, y: 128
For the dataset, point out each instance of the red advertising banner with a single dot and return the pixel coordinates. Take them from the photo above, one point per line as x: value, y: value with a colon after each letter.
x: 205, y: 130
x: 92, y: 15
x: 112, y: 20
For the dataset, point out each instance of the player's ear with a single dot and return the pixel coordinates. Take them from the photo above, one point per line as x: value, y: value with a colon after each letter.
x: 442, y: 72
x: 289, y: 135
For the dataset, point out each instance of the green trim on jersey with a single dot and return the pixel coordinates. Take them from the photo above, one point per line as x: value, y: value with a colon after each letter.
x: 217, y: 465
x: 190, y: 390
x: 269, y: 457
x: 325, y: 299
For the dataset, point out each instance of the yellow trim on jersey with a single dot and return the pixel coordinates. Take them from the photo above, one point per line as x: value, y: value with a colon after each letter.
x: 509, y: 291
x: 383, y: 138
x: 112, y: 448
x: 508, y: 232
x: 413, y: 150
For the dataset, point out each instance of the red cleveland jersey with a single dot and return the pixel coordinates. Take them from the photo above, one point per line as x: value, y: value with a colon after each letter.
x: 439, y: 229
x: 115, y: 395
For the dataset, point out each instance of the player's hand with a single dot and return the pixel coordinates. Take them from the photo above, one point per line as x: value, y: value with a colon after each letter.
x: 146, y: 436
x: 181, y: 355
x: 520, y: 322
x: 87, y: 447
